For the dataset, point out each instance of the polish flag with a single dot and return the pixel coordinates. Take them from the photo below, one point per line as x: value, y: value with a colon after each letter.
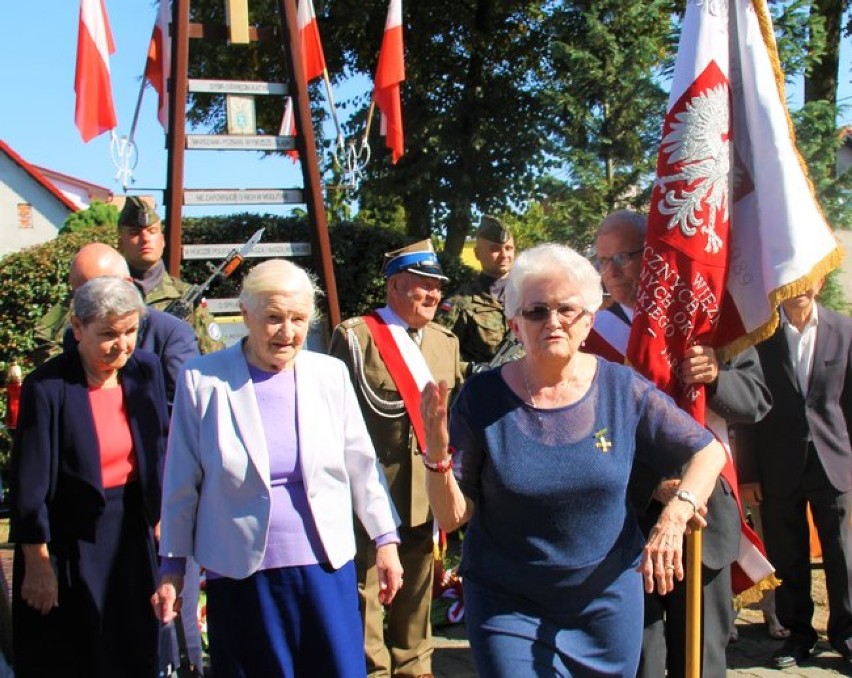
x: 734, y: 227
x: 313, y: 59
x: 390, y: 72
x: 94, y: 113
x: 312, y: 53
x: 158, y: 65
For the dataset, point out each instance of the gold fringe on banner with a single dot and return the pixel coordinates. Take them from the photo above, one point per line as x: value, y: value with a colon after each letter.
x: 755, y: 593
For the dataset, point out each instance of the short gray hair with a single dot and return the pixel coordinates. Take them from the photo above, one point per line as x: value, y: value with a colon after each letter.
x: 107, y: 296
x: 277, y: 276
x: 552, y: 261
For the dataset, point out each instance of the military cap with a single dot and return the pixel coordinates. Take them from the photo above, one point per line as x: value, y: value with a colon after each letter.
x: 418, y: 258
x: 493, y: 230
x: 137, y: 213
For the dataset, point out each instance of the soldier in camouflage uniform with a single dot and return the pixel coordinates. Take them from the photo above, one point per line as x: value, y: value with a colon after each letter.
x: 474, y: 312
x: 141, y: 241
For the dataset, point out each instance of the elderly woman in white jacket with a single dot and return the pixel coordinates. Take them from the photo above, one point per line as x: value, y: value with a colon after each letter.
x: 268, y: 459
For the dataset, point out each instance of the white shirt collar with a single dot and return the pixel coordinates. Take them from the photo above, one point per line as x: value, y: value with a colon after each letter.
x: 391, y: 318
x: 813, y: 321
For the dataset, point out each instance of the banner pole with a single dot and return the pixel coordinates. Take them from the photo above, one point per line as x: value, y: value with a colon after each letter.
x: 693, y: 604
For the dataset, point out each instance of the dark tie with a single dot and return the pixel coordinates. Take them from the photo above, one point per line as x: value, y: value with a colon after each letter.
x: 414, y: 334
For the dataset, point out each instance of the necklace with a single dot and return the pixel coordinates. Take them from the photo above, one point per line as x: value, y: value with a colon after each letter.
x: 562, y: 385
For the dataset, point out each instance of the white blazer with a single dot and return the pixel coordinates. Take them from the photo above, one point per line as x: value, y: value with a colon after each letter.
x: 216, y: 489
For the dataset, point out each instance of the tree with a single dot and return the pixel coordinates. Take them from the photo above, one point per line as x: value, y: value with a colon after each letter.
x: 474, y: 124
x: 96, y: 214
x: 827, y: 27
x: 606, y: 93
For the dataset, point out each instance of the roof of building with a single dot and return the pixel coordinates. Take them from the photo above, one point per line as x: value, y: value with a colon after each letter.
x: 95, y: 191
x: 37, y: 175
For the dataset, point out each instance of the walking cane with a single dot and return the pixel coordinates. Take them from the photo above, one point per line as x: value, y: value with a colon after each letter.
x: 693, y: 604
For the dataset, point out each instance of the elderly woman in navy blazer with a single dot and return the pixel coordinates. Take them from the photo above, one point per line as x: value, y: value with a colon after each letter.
x: 85, y: 485
x: 268, y: 459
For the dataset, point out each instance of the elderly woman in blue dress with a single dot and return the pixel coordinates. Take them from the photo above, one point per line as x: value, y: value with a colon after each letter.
x: 541, y: 451
x: 268, y: 459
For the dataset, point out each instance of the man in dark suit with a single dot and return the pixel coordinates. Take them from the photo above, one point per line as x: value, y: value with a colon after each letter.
x: 736, y: 393
x: 804, y: 457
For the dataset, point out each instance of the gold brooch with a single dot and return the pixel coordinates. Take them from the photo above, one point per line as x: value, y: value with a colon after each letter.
x: 601, y: 441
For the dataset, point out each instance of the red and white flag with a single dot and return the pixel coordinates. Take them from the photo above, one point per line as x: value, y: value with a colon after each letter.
x: 734, y: 226
x: 313, y: 59
x: 159, y: 62
x: 312, y: 53
x: 94, y: 113
x: 390, y: 72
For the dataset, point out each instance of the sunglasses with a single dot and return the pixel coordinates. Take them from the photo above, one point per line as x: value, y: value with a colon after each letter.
x: 538, y: 313
x: 621, y: 259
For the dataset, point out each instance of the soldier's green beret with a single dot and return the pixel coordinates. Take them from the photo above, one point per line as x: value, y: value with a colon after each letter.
x: 137, y: 213
x: 493, y: 230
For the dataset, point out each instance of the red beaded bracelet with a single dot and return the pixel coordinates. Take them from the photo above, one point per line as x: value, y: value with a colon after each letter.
x: 438, y: 466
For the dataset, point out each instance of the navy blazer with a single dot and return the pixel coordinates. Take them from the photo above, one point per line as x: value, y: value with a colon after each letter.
x: 171, y: 339
x: 56, y: 488
x: 823, y: 417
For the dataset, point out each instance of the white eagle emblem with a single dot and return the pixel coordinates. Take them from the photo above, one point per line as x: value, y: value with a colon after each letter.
x: 698, y: 144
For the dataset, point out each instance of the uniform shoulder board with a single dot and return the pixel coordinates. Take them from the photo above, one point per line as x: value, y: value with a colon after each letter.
x: 349, y: 323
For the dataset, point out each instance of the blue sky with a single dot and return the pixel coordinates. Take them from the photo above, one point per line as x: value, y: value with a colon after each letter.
x: 38, y: 53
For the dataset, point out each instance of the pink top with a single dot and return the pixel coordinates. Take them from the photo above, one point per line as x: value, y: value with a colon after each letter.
x: 118, y: 463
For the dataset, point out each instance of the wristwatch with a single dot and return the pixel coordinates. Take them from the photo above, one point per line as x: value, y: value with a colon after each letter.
x: 688, y: 497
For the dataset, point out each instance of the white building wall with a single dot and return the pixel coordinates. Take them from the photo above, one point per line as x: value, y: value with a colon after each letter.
x: 17, y: 188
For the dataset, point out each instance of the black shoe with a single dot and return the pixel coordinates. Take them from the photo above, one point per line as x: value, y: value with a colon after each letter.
x: 793, y: 652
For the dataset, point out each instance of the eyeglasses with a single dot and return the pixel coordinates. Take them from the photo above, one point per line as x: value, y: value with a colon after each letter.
x: 136, y: 231
x: 538, y: 313
x: 621, y: 259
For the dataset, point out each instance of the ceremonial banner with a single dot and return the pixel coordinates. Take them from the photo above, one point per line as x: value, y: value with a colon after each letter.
x: 734, y: 226
x: 94, y: 113
x: 390, y: 72
x: 158, y: 65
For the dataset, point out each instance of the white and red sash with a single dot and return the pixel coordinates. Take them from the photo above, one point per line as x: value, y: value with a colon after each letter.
x: 404, y: 362
x: 608, y: 336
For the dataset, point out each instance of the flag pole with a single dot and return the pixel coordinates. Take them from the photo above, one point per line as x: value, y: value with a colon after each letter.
x: 693, y: 604
x: 330, y: 96
x: 369, y: 122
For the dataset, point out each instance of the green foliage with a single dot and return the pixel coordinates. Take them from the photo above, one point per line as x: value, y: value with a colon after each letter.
x: 97, y: 214
x: 800, y: 37
x: 606, y: 96
x: 831, y: 294
x: 818, y: 140
x: 33, y: 280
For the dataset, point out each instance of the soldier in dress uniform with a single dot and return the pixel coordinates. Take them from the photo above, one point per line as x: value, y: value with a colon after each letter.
x: 474, y: 312
x: 141, y: 241
x: 391, y: 353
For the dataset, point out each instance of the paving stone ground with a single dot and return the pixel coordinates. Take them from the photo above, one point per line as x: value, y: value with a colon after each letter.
x: 747, y: 658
